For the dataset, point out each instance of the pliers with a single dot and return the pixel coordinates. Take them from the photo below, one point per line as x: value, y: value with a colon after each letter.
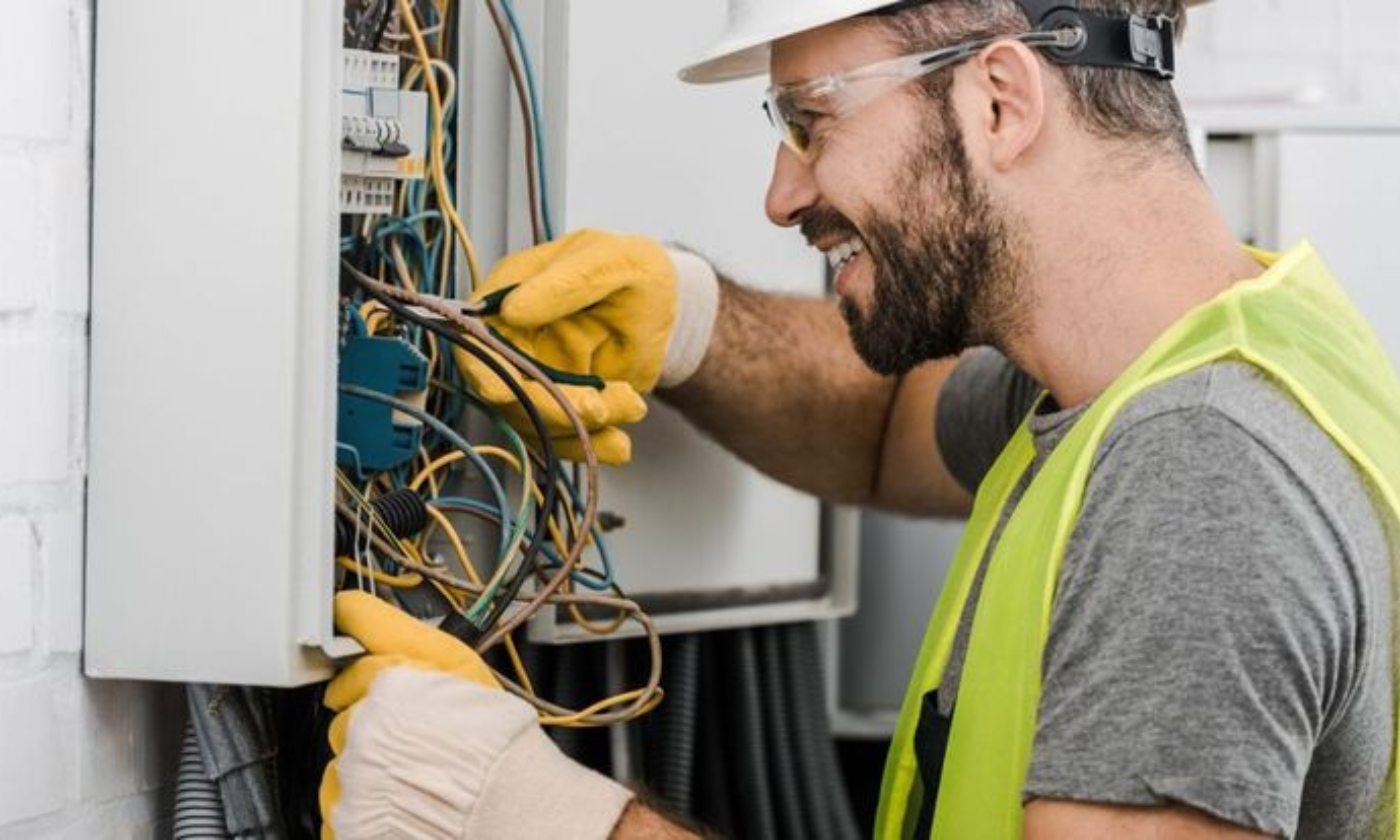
x: 491, y: 305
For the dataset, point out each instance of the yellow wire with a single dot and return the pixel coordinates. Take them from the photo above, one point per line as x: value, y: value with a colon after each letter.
x: 435, y: 147
x: 504, y: 566
x: 437, y: 464
x: 442, y: 27
x: 577, y: 719
x: 597, y: 629
x: 441, y: 521
x: 450, y: 76
x: 458, y: 546
x: 427, y: 473
x: 574, y: 720
x: 555, y: 534
x: 406, y: 580
x: 373, y: 313
x: 433, y: 487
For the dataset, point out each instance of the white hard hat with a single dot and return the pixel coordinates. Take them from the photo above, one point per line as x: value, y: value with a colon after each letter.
x: 752, y: 25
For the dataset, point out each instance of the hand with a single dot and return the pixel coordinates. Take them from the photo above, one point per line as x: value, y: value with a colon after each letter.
x: 427, y: 745
x: 601, y: 304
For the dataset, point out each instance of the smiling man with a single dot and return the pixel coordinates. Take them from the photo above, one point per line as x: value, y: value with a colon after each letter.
x: 1172, y: 612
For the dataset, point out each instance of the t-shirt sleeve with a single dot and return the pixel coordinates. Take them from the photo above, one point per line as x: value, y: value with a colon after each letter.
x: 1202, y: 635
x: 981, y: 405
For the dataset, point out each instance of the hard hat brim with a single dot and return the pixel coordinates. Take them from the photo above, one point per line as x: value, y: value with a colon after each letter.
x: 728, y: 66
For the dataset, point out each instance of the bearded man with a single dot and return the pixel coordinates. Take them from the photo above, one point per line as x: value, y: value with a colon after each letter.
x: 1171, y: 615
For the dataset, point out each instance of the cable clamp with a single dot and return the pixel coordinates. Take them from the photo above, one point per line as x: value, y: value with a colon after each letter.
x: 1150, y: 49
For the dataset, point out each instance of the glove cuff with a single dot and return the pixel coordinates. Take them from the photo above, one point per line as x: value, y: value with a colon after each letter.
x: 697, y: 304
x: 535, y: 791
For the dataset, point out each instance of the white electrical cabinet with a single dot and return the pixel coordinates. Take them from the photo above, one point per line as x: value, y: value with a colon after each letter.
x: 219, y: 144
x: 211, y: 430
x: 1279, y: 175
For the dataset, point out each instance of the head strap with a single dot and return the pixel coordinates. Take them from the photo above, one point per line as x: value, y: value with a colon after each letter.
x: 1135, y: 42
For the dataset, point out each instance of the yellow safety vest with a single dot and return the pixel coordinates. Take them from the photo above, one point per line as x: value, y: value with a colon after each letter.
x: 1292, y: 322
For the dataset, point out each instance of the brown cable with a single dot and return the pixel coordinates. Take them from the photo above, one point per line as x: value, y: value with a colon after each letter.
x: 477, y: 330
x: 526, y: 117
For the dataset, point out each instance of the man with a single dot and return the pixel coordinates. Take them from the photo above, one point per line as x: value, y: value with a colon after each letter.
x: 1172, y: 612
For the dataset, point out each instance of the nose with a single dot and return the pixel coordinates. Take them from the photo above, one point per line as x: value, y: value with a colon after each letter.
x: 792, y: 189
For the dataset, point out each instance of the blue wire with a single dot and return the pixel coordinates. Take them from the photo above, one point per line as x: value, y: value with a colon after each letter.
x: 604, y: 557
x: 535, y: 112
x: 452, y: 437
x: 358, y: 327
x: 354, y: 455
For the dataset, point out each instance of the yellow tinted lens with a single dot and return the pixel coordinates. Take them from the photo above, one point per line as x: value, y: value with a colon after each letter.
x: 798, y: 138
x: 794, y: 135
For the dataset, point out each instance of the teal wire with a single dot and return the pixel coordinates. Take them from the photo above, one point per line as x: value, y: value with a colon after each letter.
x: 597, y: 581
x: 499, y: 422
x: 535, y: 112
x: 452, y: 437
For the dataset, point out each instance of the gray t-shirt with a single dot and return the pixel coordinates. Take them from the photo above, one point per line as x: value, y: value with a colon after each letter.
x: 1221, y: 635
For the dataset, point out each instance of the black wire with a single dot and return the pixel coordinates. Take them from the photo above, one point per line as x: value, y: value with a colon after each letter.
x: 454, y: 28
x: 383, y: 24
x: 463, y: 629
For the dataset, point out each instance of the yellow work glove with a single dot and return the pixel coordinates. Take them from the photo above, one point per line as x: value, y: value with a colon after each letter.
x: 428, y: 746
x: 599, y: 304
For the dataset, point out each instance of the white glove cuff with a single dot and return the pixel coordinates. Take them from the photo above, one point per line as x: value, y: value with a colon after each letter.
x: 697, y: 304
x: 535, y: 791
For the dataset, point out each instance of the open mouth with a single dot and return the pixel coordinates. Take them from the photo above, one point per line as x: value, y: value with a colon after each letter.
x: 841, y: 254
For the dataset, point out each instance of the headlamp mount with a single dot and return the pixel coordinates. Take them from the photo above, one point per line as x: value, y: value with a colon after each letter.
x: 1135, y: 42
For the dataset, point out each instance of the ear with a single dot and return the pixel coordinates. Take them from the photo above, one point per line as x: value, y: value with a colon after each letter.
x: 1011, y: 79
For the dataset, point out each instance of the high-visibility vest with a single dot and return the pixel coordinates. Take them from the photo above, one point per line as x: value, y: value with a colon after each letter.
x: 1294, y: 323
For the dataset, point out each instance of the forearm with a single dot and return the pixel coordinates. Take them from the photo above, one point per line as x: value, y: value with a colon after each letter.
x: 782, y: 388
x: 639, y: 822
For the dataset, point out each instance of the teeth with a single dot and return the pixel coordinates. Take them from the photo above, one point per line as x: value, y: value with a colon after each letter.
x: 843, y: 253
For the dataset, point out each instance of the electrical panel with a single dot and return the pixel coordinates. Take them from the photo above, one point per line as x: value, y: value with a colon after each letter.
x: 254, y: 415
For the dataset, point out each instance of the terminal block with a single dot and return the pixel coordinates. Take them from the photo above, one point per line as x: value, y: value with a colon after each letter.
x: 371, y: 436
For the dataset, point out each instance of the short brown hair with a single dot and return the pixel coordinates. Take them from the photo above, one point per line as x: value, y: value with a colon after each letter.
x: 1110, y: 102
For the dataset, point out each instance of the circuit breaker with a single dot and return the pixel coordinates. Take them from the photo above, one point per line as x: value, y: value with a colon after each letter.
x: 383, y: 131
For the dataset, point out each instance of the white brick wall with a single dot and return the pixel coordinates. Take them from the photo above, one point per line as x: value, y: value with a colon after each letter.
x: 1330, y: 53
x: 78, y: 759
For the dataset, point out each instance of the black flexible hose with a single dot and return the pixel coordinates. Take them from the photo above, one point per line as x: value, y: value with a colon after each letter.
x: 402, y: 510
x: 754, y: 794
x: 809, y: 709
x: 679, y: 717
x: 199, y: 807
x: 807, y: 762
x: 792, y: 812
x: 715, y: 800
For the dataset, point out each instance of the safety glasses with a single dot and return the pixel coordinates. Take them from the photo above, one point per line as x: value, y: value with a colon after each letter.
x: 803, y: 112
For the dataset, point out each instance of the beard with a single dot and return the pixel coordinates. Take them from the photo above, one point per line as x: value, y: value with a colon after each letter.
x: 947, y: 269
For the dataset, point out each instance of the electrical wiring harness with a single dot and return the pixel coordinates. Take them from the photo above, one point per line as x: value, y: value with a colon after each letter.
x: 399, y: 272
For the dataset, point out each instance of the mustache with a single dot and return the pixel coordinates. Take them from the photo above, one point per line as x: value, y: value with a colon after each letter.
x: 822, y: 223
